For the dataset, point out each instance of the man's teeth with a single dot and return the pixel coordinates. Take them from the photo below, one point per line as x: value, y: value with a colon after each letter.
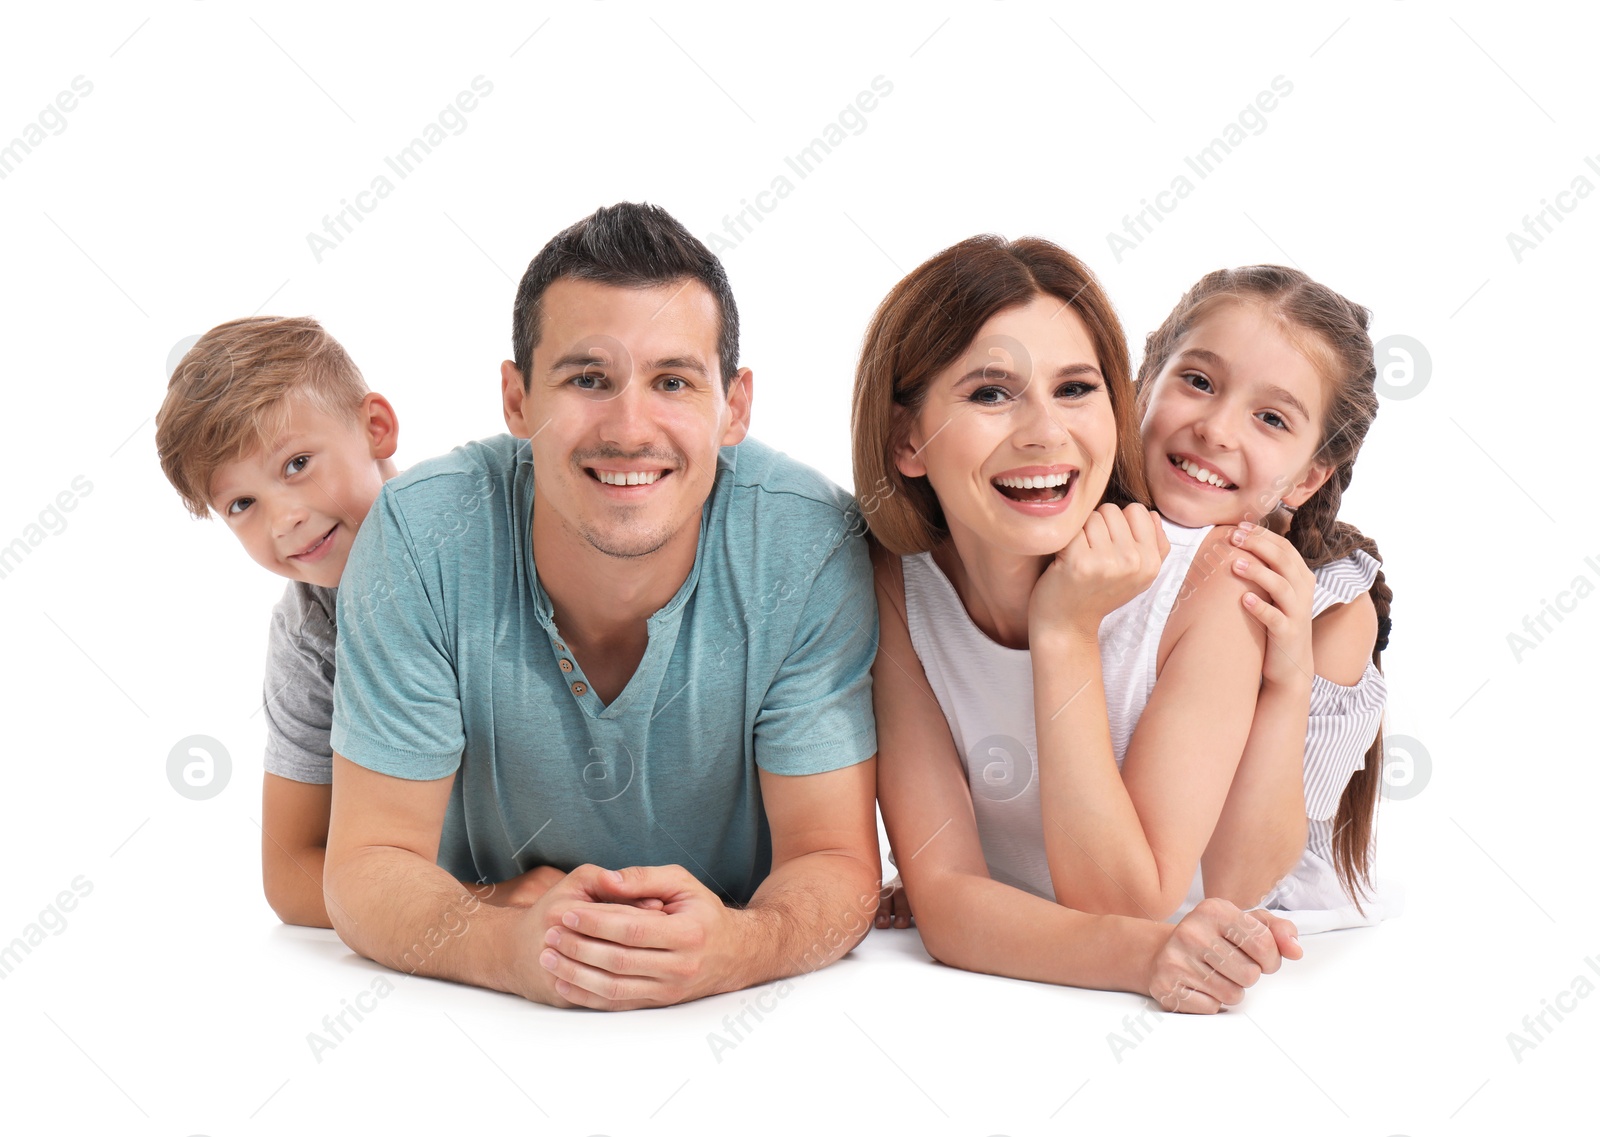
x: 1040, y: 482
x: 631, y: 478
x: 1200, y: 473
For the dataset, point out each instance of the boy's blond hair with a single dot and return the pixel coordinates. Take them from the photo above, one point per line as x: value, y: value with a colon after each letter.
x: 229, y: 395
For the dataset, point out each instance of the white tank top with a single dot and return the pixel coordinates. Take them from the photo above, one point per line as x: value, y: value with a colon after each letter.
x: 986, y: 692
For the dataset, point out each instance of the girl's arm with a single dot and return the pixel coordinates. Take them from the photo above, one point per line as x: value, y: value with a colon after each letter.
x: 1130, y: 843
x: 971, y: 921
x: 1262, y: 831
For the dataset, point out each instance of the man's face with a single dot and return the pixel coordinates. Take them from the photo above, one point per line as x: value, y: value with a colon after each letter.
x: 296, y: 505
x: 625, y: 412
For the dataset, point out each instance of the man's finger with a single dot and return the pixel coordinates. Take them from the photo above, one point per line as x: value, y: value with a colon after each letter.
x: 628, y: 925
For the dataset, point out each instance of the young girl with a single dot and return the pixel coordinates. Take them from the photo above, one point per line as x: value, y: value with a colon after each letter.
x: 993, y: 411
x: 1221, y: 401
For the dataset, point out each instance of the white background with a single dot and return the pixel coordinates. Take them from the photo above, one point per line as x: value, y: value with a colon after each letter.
x: 180, y: 194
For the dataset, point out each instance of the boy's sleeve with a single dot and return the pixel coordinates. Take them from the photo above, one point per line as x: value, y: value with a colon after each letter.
x: 397, y: 707
x: 817, y: 714
x: 297, y: 692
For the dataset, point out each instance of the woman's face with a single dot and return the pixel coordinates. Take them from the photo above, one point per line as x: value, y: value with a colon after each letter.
x: 1017, y: 436
x: 1234, y: 422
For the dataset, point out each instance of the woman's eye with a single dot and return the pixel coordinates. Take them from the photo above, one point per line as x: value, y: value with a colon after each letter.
x: 297, y: 464
x: 1077, y: 390
x: 239, y: 505
x: 990, y: 396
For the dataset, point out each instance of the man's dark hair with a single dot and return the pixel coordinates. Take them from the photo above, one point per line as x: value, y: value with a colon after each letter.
x: 632, y: 245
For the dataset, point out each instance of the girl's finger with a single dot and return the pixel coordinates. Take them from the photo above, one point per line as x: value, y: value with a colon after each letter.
x: 1270, y: 618
x: 1278, y: 590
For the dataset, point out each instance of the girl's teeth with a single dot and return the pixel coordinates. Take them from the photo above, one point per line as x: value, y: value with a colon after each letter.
x: 1200, y: 473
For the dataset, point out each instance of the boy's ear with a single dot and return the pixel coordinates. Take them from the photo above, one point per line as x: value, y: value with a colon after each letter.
x: 1310, y: 483
x: 380, y: 424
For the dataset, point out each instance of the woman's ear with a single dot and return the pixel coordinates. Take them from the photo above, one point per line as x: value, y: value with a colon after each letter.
x: 908, y: 454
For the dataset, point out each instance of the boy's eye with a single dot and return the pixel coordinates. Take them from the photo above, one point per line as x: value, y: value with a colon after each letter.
x: 297, y: 464
x: 239, y: 505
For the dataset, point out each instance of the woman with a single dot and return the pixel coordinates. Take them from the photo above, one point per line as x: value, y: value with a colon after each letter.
x: 993, y: 412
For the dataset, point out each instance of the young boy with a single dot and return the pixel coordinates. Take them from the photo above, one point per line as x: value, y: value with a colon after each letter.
x: 268, y: 423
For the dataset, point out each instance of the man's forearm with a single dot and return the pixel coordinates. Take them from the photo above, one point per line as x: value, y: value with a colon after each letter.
x: 808, y: 913
x: 404, y: 912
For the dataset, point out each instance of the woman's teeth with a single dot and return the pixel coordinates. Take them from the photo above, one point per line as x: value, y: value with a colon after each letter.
x: 632, y: 478
x: 1201, y: 474
x: 1040, y: 482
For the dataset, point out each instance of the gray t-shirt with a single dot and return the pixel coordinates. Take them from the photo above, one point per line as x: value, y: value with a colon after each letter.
x: 298, y: 689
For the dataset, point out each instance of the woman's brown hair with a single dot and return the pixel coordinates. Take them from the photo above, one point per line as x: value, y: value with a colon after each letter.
x: 1332, y: 332
x: 925, y: 323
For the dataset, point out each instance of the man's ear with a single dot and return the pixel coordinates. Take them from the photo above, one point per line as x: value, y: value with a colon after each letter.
x: 513, y: 394
x: 380, y: 424
x: 740, y: 393
x: 1316, y: 474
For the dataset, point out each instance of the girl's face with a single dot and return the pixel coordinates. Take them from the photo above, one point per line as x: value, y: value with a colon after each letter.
x: 1017, y: 436
x: 1234, y: 422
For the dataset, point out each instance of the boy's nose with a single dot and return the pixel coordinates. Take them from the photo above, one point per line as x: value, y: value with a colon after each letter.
x: 287, y: 515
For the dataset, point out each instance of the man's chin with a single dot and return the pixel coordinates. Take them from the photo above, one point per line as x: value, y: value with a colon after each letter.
x: 627, y: 546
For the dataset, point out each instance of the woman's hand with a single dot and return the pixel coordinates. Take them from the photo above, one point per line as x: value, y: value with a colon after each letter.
x: 1284, y: 589
x: 1215, y: 952
x: 1114, y: 558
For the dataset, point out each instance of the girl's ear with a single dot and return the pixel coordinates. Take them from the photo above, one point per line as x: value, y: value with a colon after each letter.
x: 1310, y: 483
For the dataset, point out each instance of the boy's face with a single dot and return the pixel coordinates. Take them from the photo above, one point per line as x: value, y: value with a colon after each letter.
x: 296, y: 505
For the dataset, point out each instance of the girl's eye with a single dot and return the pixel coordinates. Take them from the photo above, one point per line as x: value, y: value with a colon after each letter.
x: 1195, y: 380
x: 297, y: 464
x: 239, y: 505
x: 1274, y: 420
x: 982, y: 396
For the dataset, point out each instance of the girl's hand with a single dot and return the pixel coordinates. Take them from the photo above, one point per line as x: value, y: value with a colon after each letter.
x: 894, y: 907
x: 1281, y: 601
x: 1215, y: 952
x: 1114, y: 558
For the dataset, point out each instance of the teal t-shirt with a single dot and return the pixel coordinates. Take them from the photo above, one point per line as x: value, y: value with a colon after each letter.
x: 450, y: 662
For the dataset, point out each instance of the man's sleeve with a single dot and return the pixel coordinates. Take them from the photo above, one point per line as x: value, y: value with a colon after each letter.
x: 297, y: 691
x: 817, y: 714
x: 397, y: 707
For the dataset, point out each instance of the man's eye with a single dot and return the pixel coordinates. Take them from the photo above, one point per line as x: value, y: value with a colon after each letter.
x: 239, y: 505
x: 587, y: 381
x: 673, y: 379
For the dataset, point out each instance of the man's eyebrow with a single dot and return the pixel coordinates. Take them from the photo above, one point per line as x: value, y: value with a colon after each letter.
x: 580, y: 359
x: 677, y: 363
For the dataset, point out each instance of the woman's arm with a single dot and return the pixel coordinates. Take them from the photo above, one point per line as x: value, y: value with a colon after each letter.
x: 971, y: 921
x: 1130, y: 843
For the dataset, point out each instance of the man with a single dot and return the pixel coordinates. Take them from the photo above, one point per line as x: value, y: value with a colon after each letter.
x: 623, y: 637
